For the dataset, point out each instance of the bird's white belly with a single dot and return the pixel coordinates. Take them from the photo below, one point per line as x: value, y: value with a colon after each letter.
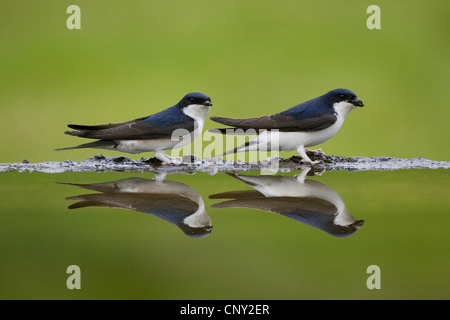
x: 293, y: 140
x: 178, y: 140
x: 138, y: 146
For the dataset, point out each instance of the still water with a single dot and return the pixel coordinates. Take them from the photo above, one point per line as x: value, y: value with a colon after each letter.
x: 226, y: 236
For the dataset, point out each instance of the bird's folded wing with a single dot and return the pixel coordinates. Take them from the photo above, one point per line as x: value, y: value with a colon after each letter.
x: 281, y: 122
x: 280, y: 205
x: 130, y: 130
x: 102, y: 126
x: 143, y: 202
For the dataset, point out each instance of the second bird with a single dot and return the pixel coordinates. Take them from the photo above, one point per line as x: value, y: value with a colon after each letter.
x: 171, y: 128
x: 307, y: 124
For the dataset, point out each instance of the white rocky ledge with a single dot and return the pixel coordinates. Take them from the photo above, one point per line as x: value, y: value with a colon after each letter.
x: 192, y: 164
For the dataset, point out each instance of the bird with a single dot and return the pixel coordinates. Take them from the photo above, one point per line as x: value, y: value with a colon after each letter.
x: 307, y: 124
x: 307, y: 201
x: 171, y: 128
x: 171, y: 201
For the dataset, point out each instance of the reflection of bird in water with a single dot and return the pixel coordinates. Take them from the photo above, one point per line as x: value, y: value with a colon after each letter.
x: 307, y: 201
x: 172, y: 201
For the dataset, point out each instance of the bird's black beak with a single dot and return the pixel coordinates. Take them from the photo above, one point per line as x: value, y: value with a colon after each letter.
x: 207, y: 103
x: 357, y: 102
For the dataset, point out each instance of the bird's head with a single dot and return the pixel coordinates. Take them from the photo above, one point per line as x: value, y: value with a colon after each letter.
x: 195, y: 98
x: 195, y: 105
x: 343, y: 95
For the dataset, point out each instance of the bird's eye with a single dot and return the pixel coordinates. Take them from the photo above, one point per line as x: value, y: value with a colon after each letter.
x: 192, y: 99
x: 342, y: 96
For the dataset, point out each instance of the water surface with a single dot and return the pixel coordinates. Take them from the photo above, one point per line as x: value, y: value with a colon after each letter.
x: 225, y: 236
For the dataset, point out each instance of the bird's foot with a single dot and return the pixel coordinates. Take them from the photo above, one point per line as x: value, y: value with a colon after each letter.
x: 305, y: 159
x: 165, y: 159
x: 316, y: 152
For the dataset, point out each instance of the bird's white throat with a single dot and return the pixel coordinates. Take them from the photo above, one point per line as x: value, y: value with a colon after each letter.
x: 343, y: 108
x: 198, y: 112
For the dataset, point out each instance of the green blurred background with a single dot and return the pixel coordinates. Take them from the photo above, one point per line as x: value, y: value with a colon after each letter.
x: 134, y: 58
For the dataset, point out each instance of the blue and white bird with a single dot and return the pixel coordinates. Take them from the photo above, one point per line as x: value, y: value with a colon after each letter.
x: 307, y: 124
x: 174, y: 127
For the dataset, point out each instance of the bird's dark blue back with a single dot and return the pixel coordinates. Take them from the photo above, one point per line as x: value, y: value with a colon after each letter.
x: 309, y: 109
x: 168, y: 117
x: 170, y: 214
